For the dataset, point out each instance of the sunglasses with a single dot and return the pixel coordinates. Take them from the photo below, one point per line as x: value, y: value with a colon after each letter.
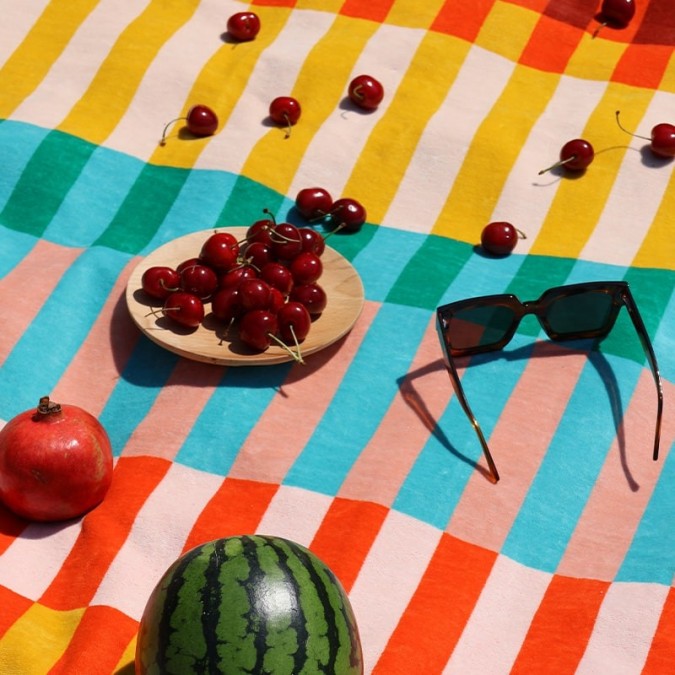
x: 574, y: 312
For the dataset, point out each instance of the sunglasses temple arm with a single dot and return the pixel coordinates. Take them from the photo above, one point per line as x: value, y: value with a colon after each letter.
x: 459, y: 390
x: 651, y: 357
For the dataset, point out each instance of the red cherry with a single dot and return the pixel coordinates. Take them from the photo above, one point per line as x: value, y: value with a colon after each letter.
x: 312, y: 241
x: 278, y: 276
x: 662, y: 141
x: 260, y: 231
x: 294, y: 322
x: 366, y: 92
x: 285, y: 111
x: 312, y: 296
x: 160, y: 281
x: 258, y: 254
x: 617, y: 13
x: 200, y: 121
x: 220, y: 251
x: 199, y: 280
x: 254, y: 294
x: 257, y: 327
x: 188, y: 263
x: 499, y: 238
x: 243, y: 26
x: 314, y: 203
x: 184, y: 308
x: 349, y: 214
x: 277, y: 300
x: 306, y: 268
x: 233, y: 277
x: 575, y: 155
x: 286, y: 241
x: 226, y: 304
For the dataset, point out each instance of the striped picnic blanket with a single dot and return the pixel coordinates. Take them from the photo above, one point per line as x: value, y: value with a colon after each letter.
x: 363, y: 454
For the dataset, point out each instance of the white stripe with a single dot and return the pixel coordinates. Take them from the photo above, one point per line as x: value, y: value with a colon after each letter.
x: 294, y: 514
x: 637, y: 192
x: 32, y: 561
x: 156, y: 539
x: 624, y: 629
x: 17, y: 20
x: 507, y: 605
x: 72, y: 73
x: 337, y: 145
x: 526, y: 197
x: 388, y: 579
x: 442, y: 149
x: 274, y: 75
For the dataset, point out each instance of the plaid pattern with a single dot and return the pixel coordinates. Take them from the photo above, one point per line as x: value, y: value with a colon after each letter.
x: 363, y: 454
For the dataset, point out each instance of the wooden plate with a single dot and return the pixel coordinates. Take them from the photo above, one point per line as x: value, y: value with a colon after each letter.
x: 208, y: 343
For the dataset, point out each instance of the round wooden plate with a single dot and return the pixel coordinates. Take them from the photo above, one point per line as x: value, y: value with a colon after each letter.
x: 209, y: 343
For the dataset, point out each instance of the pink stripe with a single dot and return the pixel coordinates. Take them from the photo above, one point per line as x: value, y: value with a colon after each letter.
x: 616, y: 506
x: 113, y: 328
x: 486, y: 512
x: 163, y: 430
x: 29, y: 284
x: 269, y: 450
x: 420, y: 402
x: 507, y: 604
x: 624, y: 629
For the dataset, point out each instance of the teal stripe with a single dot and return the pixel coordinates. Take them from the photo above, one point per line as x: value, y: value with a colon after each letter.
x: 14, y: 247
x: 651, y: 557
x: 229, y: 416
x: 365, y: 393
x: 246, y: 203
x: 569, y: 471
x: 49, y: 344
x: 46, y: 179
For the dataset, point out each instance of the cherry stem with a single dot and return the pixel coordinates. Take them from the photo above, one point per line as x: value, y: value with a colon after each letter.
x: 162, y: 140
x: 598, y: 29
x: 521, y: 234
x: 267, y: 212
x: 297, y: 356
x: 288, y: 126
x: 561, y: 162
x: 630, y: 133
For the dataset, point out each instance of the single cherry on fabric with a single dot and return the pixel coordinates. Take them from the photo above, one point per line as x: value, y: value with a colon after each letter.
x: 285, y: 111
x: 500, y: 238
x: 575, y: 155
x: 313, y: 203
x: 243, y: 26
x: 662, y: 140
x: 200, y: 121
x: 366, y: 92
x: 617, y: 13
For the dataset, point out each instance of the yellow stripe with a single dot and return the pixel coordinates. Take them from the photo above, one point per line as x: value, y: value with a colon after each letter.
x: 41, y: 635
x: 320, y: 86
x: 99, y: 110
x: 595, y: 59
x: 668, y: 79
x: 36, y: 54
x: 319, y: 5
x: 414, y: 13
x: 125, y: 665
x: 220, y: 84
x: 481, y: 179
x: 578, y: 203
x: 507, y: 30
x: 387, y: 154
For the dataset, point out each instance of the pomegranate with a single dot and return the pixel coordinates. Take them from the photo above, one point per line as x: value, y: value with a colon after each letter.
x: 55, y: 462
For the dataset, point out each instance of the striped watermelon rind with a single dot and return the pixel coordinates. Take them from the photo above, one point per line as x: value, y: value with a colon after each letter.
x: 249, y: 604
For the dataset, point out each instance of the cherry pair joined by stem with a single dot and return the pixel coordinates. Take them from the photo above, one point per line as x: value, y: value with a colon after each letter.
x: 661, y: 141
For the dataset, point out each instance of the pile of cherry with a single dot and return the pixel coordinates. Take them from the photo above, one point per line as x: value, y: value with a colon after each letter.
x: 266, y: 286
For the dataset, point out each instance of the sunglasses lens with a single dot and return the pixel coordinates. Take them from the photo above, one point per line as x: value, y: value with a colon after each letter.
x: 478, y: 328
x: 588, y: 313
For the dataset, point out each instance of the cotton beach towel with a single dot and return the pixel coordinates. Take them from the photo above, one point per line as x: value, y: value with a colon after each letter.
x: 364, y: 453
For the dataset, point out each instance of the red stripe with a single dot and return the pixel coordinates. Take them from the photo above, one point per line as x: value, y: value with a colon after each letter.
x: 13, y: 607
x: 98, y: 643
x: 642, y: 65
x: 236, y: 508
x: 346, y: 535
x: 439, y: 610
x: 561, y: 628
x: 104, y: 530
x: 375, y: 10
x: 462, y: 19
x: 661, y: 657
x: 551, y: 45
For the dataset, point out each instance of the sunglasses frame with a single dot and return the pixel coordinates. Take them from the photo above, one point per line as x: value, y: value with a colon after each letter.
x: 621, y: 297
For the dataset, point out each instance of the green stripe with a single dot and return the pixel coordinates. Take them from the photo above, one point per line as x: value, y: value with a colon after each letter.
x: 45, y: 181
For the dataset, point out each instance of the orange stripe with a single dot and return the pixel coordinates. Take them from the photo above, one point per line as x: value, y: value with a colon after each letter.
x: 346, y: 535
x: 561, y: 627
x: 660, y: 658
x: 13, y: 607
x: 104, y: 530
x: 439, y: 610
x: 375, y: 10
x: 98, y: 642
x: 274, y: 3
x: 642, y: 65
x: 236, y: 508
x: 551, y: 45
x: 11, y: 527
x: 462, y: 19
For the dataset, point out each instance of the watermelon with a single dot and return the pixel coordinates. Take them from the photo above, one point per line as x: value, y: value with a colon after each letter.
x: 249, y: 604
